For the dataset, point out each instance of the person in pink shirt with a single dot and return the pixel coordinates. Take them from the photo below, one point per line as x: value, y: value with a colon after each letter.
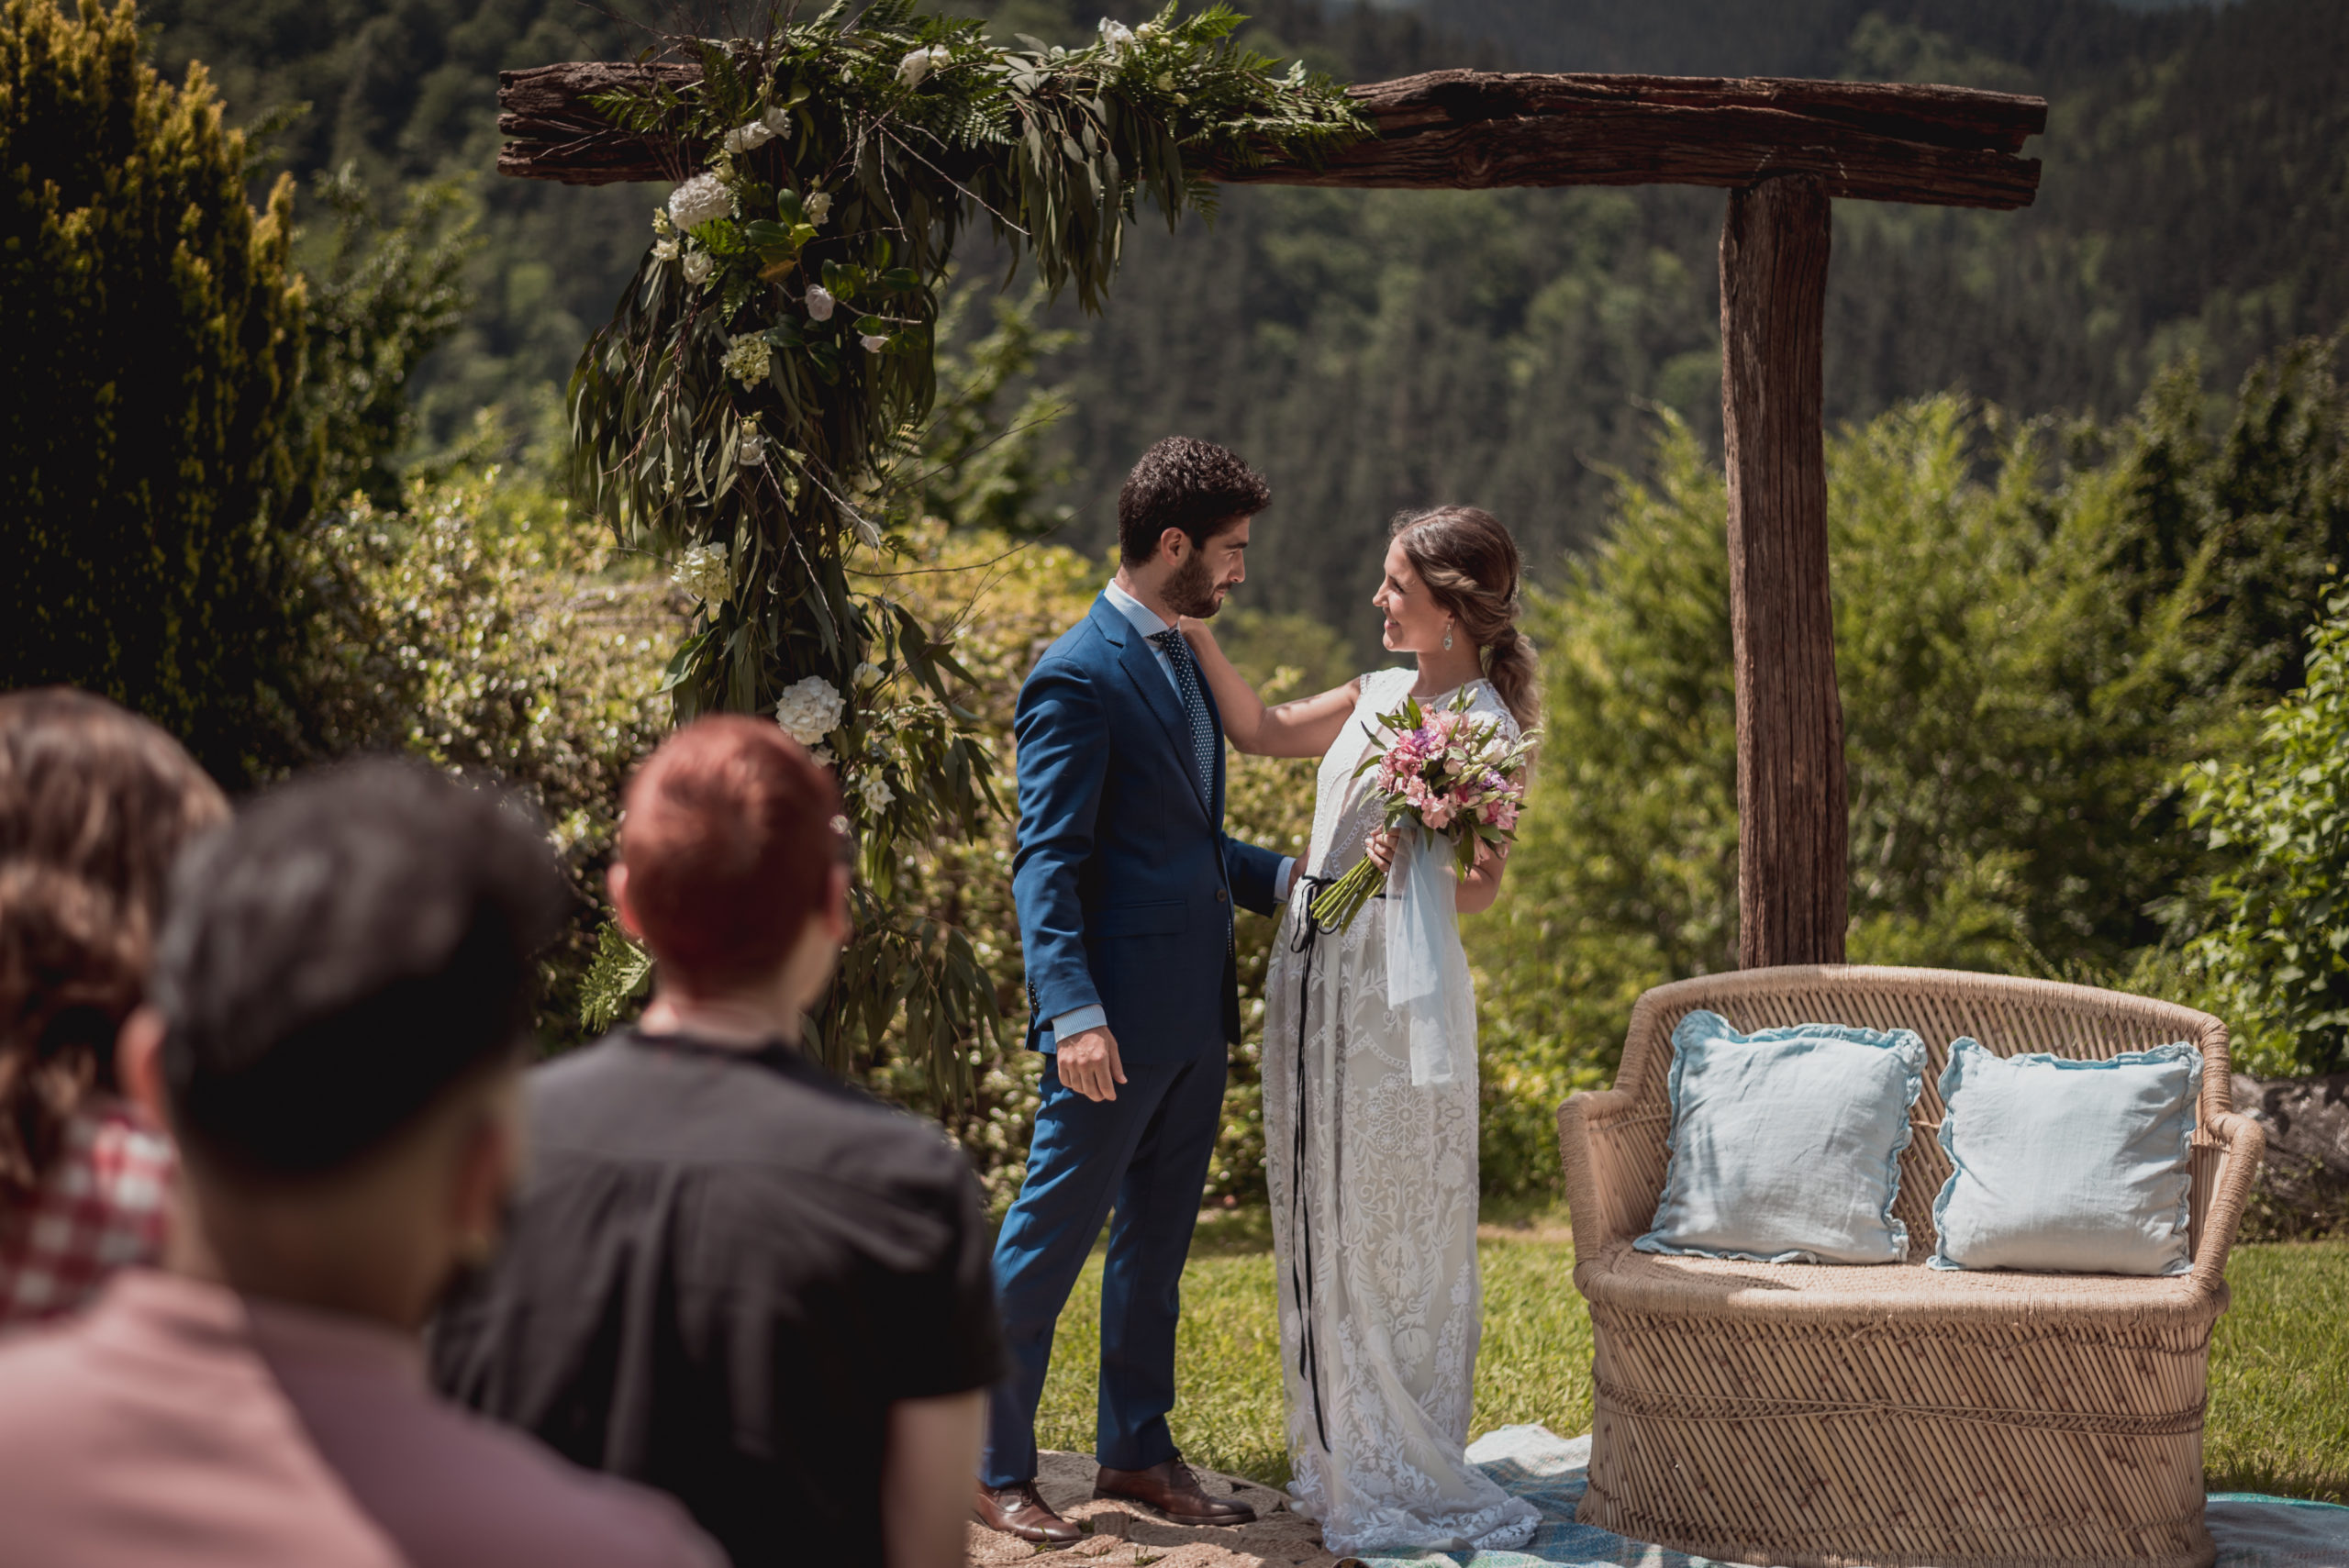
x: 95, y: 802
x: 339, y: 1004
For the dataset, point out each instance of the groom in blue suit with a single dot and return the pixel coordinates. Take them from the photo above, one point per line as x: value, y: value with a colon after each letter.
x: 1126, y: 882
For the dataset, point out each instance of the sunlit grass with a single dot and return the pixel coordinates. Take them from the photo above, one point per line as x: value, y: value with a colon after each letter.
x: 2279, y: 1375
x: 2280, y: 1365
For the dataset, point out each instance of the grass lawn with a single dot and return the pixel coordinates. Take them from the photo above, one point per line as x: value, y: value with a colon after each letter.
x: 2279, y: 1366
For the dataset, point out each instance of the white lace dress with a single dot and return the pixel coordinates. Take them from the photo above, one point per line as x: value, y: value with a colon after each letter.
x: 1374, y: 1188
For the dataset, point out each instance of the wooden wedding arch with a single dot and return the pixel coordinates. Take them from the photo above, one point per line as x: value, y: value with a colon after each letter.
x: 1782, y: 148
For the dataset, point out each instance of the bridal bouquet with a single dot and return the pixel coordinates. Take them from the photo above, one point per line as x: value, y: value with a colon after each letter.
x: 1446, y: 774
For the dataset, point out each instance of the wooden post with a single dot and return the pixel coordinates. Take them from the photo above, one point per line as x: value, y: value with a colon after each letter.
x: 1793, y: 832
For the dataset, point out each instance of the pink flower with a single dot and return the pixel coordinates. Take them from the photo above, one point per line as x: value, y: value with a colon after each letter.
x: 1438, y: 814
x: 1501, y: 814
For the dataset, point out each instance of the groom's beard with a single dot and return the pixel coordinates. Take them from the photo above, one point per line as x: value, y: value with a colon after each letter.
x: 1192, y: 590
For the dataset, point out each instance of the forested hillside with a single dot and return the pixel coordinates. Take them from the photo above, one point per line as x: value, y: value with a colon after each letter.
x: 1376, y: 350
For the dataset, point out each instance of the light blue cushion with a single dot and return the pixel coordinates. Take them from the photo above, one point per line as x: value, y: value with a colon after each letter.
x: 1786, y: 1144
x: 2068, y: 1167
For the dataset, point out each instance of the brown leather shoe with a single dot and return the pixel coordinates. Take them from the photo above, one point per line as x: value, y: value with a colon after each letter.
x: 1174, y: 1491
x: 1019, y: 1510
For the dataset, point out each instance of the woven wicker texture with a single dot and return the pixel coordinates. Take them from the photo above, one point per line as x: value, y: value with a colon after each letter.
x: 1896, y: 1416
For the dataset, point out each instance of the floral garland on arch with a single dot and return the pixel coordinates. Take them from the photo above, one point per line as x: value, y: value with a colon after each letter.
x: 755, y: 406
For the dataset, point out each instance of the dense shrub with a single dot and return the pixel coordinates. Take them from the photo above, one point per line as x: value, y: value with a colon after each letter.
x: 2276, y: 949
x: 150, y: 337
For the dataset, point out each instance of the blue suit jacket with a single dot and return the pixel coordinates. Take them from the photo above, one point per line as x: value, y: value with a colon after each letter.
x: 1124, y: 876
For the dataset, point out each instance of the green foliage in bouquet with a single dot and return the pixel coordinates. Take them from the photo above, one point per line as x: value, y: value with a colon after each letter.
x: 757, y: 402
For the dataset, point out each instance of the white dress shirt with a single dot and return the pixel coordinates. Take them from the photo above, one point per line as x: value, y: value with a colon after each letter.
x: 1146, y: 621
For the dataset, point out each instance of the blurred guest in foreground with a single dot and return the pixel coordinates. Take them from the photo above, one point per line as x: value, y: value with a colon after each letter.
x: 731, y: 1275
x: 94, y: 804
x: 339, y: 996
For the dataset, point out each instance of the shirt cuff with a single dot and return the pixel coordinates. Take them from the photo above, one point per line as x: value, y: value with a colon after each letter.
x: 1077, y: 1022
x: 1283, y: 878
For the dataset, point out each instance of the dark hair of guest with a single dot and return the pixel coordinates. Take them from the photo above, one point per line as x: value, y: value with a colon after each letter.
x: 353, y: 947
x: 1184, y: 483
x: 1471, y: 567
x: 95, y: 802
x: 729, y: 838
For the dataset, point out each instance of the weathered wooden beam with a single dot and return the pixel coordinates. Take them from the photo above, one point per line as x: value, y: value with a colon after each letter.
x: 1793, y: 836
x: 1465, y: 129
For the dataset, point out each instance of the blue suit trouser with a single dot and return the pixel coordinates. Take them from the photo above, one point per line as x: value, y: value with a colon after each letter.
x: 1146, y: 1154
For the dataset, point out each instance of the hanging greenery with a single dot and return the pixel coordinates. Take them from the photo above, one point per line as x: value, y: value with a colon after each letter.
x: 755, y: 405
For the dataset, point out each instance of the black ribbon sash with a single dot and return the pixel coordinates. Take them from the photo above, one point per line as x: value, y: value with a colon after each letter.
x: 1300, y: 1264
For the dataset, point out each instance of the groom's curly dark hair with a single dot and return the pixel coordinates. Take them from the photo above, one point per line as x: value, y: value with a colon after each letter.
x: 1184, y: 483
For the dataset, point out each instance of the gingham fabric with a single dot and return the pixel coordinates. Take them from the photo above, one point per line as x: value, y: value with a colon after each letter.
x: 103, y: 1205
x: 1195, y: 705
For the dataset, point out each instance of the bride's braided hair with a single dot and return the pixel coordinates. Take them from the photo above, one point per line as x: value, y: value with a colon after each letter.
x: 1470, y: 564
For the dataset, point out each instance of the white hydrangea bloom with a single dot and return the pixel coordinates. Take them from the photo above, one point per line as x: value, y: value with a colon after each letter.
x: 777, y: 120
x: 820, y: 303
x: 748, y: 359
x: 702, y: 199
x: 810, y: 709
x: 706, y: 573
x: 877, y: 793
x: 699, y: 264
x: 1116, y: 37
x: 818, y: 207
x: 664, y: 249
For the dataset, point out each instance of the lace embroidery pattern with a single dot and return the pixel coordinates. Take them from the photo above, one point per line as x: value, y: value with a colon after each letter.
x: 1388, y: 1179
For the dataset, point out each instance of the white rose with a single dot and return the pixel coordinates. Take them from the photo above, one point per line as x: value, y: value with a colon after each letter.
x: 867, y: 677
x: 749, y: 137
x: 817, y: 206
x: 810, y: 709
x: 822, y: 757
x: 1147, y: 31
x: 752, y: 450
x: 702, y: 199
x: 699, y: 264
x: 874, y: 342
x: 1116, y: 37
x: 777, y: 120
x: 877, y: 793
x: 820, y: 303
x: 664, y: 249
x: 914, y: 67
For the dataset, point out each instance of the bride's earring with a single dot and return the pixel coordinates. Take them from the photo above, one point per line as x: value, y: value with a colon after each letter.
x: 1447, y: 636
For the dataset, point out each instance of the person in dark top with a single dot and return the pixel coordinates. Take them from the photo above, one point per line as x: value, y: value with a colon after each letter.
x: 729, y: 1275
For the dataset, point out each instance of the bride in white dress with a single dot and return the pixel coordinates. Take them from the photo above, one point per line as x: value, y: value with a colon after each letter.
x: 1374, y: 1177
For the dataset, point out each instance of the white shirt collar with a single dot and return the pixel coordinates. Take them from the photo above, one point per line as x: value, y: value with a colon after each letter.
x: 1144, y: 619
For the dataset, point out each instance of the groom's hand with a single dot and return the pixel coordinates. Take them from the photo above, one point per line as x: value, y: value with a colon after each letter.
x: 1088, y: 1064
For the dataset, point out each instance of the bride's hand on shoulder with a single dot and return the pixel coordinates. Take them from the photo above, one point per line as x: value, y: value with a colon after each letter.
x: 1196, y: 633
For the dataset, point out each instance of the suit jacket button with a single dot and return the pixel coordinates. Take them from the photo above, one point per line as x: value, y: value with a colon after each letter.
x: 1219, y: 895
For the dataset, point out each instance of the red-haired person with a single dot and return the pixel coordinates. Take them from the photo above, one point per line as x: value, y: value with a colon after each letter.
x: 729, y: 1275
x: 95, y: 802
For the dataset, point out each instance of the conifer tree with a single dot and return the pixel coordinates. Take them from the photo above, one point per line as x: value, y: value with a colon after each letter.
x: 151, y: 344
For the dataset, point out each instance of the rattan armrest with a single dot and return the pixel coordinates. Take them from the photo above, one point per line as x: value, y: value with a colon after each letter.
x: 2221, y: 1188
x: 1614, y: 1165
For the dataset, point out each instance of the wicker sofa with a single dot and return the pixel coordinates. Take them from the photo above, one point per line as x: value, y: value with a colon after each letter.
x: 1898, y: 1415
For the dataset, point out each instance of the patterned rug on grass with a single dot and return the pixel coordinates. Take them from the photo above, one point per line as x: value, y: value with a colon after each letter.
x: 1547, y: 1471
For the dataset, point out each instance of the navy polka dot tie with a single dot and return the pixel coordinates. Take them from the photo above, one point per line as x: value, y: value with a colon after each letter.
x: 1195, y: 704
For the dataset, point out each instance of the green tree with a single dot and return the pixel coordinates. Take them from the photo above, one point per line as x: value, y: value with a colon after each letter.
x: 2037, y: 627
x: 151, y: 331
